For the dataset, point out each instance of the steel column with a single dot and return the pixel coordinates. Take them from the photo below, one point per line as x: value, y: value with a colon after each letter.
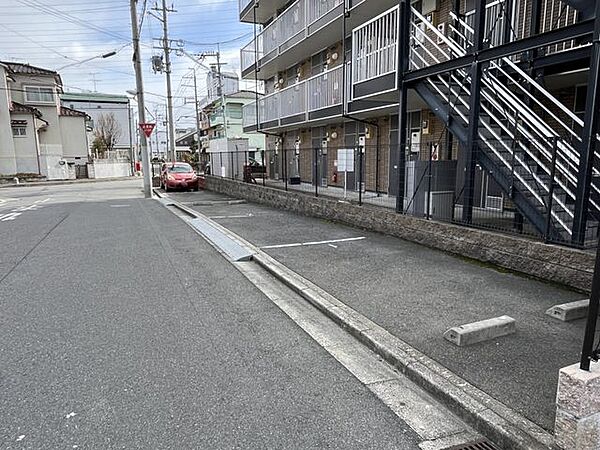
x: 474, y: 109
x: 403, y: 57
x: 589, y: 141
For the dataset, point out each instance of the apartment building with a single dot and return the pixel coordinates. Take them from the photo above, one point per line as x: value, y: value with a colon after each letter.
x: 37, y: 134
x: 479, y: 112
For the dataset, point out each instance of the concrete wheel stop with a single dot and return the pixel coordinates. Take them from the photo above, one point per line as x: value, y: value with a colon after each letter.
x: 484, y: 330
x: 569, y: 311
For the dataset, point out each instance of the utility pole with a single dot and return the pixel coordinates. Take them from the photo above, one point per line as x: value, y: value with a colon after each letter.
x: 220, y: 90
x: 139, y: 86
x: 167, y: 51
x: 197, y: 112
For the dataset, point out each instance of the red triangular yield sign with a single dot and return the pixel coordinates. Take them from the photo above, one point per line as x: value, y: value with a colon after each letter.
x: 147, y: 128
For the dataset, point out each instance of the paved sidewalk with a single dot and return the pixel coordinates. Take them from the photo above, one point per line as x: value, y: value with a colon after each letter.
x: 417, y: 293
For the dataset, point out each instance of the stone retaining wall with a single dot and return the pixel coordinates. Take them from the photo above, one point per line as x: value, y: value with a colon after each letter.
x: 561, y: 265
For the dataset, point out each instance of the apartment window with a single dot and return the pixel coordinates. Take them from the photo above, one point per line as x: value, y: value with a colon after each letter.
x: 19, y: 131
x: 39, y: 94
x: 318, y: 63
x: 235, y: 111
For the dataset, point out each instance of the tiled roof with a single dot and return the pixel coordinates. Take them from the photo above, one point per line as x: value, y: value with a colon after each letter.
x: 64, y: 111
x: 27, y: 69
x: 18, y: 107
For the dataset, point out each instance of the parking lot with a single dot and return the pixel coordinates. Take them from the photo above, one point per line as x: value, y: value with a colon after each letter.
x: 418, y: 293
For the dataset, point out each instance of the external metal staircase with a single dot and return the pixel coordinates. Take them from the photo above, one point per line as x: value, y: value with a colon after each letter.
x: 526, y: 140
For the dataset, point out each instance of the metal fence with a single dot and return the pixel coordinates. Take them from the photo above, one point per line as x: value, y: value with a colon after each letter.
x: 510, y: 190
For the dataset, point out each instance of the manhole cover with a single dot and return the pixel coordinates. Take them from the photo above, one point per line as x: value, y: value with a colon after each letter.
x: 476, y: 445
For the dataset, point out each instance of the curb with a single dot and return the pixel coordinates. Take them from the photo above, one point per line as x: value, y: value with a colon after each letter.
x: 63, y: 182
x: 498, y: 422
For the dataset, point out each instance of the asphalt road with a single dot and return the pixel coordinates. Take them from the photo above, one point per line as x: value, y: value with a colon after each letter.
x: 121, y: 328
x: 418, y: 293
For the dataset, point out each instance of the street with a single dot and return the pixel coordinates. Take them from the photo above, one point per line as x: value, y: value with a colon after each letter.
x: 123, y: 328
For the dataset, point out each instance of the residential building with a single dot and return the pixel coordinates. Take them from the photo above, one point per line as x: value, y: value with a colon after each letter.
x: 480, y: 112
x: 185, y: 141
x: 37, y: 134
x: 223, y: 131
x: 229, y: 81
x: 97, y: 105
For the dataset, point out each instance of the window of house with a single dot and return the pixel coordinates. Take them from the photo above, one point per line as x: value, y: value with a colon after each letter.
x: 235, y: 111
x: 39, y: 94
x: 19, y: 131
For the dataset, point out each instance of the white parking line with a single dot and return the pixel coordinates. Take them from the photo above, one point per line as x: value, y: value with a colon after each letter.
x: 301, y: 244
x: 9, y: 216
x: 240, y: 216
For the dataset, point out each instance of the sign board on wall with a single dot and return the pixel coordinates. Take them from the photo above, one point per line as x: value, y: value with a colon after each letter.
x: 345, y: 160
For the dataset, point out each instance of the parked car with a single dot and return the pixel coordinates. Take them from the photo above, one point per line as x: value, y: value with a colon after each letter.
x: 178, y: 176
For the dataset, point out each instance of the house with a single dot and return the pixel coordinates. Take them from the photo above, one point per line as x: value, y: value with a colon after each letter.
x: 37, y: 135
x: 97, y: 106
x: 223, y: 131
x: 480, y: 113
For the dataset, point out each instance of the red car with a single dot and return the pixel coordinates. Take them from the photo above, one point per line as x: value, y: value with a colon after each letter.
x: 178, y: 176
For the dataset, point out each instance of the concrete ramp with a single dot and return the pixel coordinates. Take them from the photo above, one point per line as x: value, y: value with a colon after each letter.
x: 233, y: 250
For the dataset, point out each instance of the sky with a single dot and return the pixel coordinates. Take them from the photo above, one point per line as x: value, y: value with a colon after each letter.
x: 56, y: 33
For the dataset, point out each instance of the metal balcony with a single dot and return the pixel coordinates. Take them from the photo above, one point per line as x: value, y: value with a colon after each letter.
x: 316, y: 98
x: 259, y: 11
x: 303, y: 29
x: 374, y: 56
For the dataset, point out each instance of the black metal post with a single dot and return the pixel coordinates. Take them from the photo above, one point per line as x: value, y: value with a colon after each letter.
x: 316, y: 171
x: 231, y: 165
x: 507, y: 16
x: 547, y: 238
x: 588, y: 142
x: 403, y: 59
x: 474, y: 109
x: 264, y: 168
x: 360, y: 173
x: 429, y: 181
x: 285, y: 169
x: 587, y: 352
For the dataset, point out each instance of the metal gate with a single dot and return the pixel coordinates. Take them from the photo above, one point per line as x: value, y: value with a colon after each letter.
x: 81, y: 171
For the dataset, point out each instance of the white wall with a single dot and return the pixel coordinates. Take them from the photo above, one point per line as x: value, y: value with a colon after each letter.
x: 109, y: 169
x: 26, y: 147
x: 74, y: 137
x: 50, y: 161
x: 8, y: 164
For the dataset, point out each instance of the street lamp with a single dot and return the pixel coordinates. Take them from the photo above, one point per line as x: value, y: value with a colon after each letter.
x: 103, y: 56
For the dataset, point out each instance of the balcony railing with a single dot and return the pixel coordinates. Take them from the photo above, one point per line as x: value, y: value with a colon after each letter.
x: 244, y: 3
x: 501, y: 14
x: 249, y: 115
x: 293, y: 21
x: 374, y: 47
x: 320, y: 91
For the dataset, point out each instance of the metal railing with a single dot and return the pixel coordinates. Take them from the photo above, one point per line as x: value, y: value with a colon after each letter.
x: 325, y: 89
x: 317, y: 92
x: 249, y: 115
x: 244, y: 3
x: 374, y: 46
x: 509, y: 116
x: 293, y: 21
